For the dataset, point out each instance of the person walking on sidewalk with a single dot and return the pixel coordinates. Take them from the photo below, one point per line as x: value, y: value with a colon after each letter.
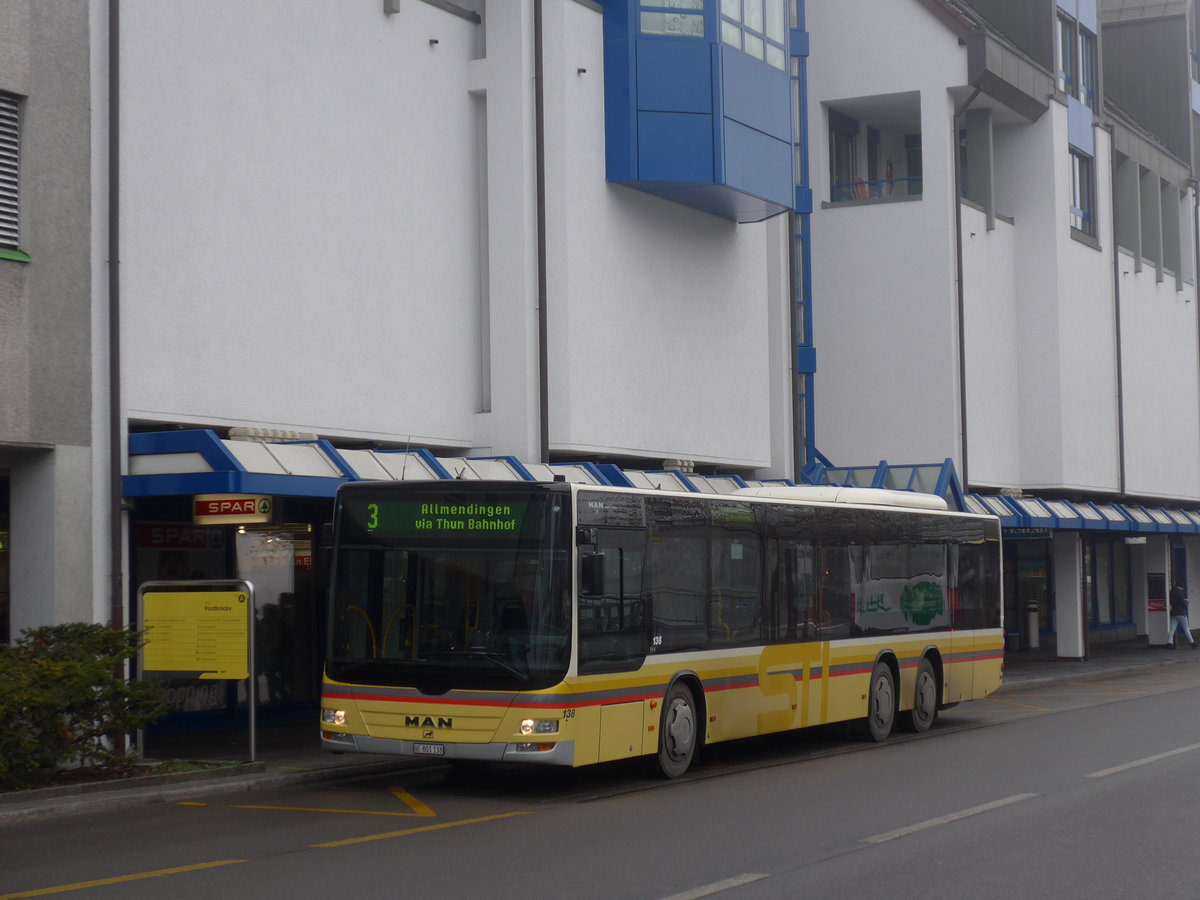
x: 1179, y: 616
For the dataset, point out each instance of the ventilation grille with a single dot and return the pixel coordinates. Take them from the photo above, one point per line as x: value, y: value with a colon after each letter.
x: 9, y: 154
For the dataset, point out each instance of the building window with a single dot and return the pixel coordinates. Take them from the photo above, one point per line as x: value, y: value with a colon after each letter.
x: 670, y: 21
x: 758, y: 27
x: 843, y: 162
x: 1066, y: 55
x: 912, y: 159
x: 1083, y: 193
x: 10, y: 147
x: 1078, y: 70
x: 1088, y: 79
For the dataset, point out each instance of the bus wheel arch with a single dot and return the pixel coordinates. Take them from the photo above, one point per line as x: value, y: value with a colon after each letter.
x: 681, y: 725
x: 882, y: 698
x: 927, y: 695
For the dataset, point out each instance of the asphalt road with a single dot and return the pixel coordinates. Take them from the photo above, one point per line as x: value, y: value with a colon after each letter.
x: 1065, y: 790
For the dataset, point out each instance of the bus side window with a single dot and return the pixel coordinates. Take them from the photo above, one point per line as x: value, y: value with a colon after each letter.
x: 735, y: 587
x: 836, y: 591
x: 794, y: 604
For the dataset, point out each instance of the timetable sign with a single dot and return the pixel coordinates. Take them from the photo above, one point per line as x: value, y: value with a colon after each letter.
x: 203, y: 633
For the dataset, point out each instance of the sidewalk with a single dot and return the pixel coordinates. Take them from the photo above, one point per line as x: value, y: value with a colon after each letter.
x: 290, y: 753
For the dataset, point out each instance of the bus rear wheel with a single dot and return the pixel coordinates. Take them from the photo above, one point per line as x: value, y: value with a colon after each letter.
x: 678, y: 735
x: 925, y: 701
x: 881, y: 704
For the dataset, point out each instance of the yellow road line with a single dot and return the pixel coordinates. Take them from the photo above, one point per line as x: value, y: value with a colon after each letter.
x: 418, y: 808
x: 424, y: 828
x: 120, y: 879
x: 318, y: 809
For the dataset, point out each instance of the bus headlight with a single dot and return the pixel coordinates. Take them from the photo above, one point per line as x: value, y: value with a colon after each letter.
x: 539, y: 726
x: 333, y: 716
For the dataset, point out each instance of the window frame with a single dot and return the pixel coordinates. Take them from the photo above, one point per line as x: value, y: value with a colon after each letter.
x: 1082, y: 204
x: 1067, y: 70
x: 756, y: 39
x: 1089, y: 70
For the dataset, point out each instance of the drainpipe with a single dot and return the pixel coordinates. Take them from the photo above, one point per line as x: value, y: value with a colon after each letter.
x: 116, y: 450
x: 539, y: 105
x: 1116, y: 255
x: 961, y: 294
x: 1194, y: 184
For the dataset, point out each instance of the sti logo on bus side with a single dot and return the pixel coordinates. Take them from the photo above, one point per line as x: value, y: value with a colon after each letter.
x: 427, y: 722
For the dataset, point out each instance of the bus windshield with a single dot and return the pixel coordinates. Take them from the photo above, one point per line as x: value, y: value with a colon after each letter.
x: 442, y: 587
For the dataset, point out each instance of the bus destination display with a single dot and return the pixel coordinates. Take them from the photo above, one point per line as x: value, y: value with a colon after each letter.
x: 477, y: 518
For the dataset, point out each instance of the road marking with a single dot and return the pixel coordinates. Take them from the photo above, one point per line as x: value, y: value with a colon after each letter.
x: 1020, y: 705
x: 319, y: 809
x: 418, y: 808
x: 717, y: 887
x: 408, y: 831
x: 120, y: 879
x: 946, y: 819
x: 1137, y: 762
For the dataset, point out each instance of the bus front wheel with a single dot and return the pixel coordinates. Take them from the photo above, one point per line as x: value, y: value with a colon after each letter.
x: 881, y: 704
x: 678, y: 734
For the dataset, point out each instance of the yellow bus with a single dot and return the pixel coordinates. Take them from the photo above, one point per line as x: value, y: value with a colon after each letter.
x: 568, y: 624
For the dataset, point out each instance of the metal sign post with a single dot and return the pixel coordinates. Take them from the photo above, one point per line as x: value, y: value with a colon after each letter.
x: 194, y: 630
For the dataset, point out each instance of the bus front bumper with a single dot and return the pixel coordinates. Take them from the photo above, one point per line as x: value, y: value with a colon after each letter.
x: 560, y: 753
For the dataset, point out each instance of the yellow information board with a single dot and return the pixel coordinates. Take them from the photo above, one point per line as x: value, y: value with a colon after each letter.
x: 205, y: 633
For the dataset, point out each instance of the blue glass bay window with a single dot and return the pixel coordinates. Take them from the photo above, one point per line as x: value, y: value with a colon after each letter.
x: 698, y: 103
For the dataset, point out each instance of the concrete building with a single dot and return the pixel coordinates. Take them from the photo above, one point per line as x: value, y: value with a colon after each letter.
x: 260, y: 249
x: 461, y: 229
x: 54, y: 454
x: 1007, y: 275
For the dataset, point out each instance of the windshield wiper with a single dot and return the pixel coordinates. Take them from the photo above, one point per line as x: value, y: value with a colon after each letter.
x: 495, y: 660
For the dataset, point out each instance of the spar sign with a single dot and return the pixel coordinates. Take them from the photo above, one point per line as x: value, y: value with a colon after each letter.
x: 230, y: 509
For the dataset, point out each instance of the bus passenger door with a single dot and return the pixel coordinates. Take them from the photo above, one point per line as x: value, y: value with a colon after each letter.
x: 612, y: 622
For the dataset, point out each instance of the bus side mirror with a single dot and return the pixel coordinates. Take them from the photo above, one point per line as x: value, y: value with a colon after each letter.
x: 585, y: 537
x: 591, y: 574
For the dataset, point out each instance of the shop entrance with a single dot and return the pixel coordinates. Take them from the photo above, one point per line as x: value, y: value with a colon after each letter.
x: 278, y: 561
x: 1027, y: 593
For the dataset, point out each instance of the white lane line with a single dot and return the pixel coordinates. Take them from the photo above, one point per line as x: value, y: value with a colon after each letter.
x: 716, y: 887
x: 1143, y: 762
x: 943, y: 820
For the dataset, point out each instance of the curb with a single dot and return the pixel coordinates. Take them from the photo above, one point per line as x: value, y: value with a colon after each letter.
x: 44, y: 803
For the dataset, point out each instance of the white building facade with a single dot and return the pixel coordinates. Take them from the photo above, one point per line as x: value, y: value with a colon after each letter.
x: 301, y: 242
x: 981, y: 290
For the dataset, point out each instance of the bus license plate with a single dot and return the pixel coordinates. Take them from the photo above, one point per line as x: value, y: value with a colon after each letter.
x: 429, y: 749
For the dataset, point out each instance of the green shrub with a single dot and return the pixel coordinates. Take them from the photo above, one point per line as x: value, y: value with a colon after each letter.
x: 63, y: 699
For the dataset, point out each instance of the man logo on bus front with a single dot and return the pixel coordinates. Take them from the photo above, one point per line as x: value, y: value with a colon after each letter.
x: 427, y: 733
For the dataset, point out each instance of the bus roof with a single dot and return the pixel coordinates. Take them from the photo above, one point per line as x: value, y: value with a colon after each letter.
x: 837, y: 494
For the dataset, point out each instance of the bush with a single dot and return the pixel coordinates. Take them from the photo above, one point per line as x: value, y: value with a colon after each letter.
x: 63, y: 700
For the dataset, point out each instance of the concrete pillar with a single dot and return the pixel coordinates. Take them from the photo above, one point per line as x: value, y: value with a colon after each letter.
x: 1068, y: 595
x: 1137, y: 588
x: 1156, y: 583
x: 51, y: 537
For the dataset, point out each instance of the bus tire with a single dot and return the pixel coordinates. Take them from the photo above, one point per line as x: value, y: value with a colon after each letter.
x: 925, y: 701
x: 678, y: 734
x: 881, y: 704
